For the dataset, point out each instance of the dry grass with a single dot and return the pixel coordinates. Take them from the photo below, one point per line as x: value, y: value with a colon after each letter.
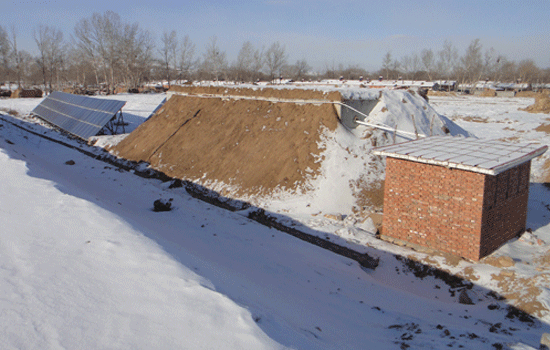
x: 9, y: 111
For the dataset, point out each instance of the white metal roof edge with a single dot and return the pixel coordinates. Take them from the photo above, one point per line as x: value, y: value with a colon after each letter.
x: 499, y: 169
x: 436, y: 162
x: 491, y: 171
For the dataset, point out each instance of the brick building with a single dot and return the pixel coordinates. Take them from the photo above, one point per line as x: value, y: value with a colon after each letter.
x: 464, y: 196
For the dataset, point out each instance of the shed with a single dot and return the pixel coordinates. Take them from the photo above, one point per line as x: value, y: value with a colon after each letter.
x: 464, y: 196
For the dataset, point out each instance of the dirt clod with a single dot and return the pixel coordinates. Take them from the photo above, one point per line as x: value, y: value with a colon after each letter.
x: 162, y: 205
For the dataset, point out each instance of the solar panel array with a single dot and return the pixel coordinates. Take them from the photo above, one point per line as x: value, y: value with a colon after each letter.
x: 79, y: 115
x: 478, y: 155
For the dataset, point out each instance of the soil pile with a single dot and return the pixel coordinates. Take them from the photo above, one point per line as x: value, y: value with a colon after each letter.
x: 527, y: 94
x: 252, y: 146
x: 441, y: 93
x: 22, y: 93
x: 541, y: 105
x: 488, y: 93
x: 275, y: 93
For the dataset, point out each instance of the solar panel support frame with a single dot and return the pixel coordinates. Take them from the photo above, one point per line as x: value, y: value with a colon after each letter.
x: 116, y: 122
x: 81, y: 116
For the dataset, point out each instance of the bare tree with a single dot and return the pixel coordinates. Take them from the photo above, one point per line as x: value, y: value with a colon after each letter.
x: 406, y: 66
x: 5, y: 54
x: 79, y: 68
x: 17, y: 57
x: 245, y: 61
x: 136, y: 55
x: 215, y: 62
x: 87, y: 43
x: 527, y: 71
x: 396, y: 67
x: 416, y: 65
x: 448, y: 58
x: 490, y: 62
x: 331, y: 72
x: 387, y: 64
x: 353, y: 72
x: 427, y: 57
x: 507, y: 70
x: 100, y: 37
x: 301, y: 69
x: 118, y: 51
x: 258, y: 63
x: 275, y: 59
x: 26, y: 61
x: 187, y: 61
x: 50, y: 47
x: 168, y: 52
x: 472, y: 64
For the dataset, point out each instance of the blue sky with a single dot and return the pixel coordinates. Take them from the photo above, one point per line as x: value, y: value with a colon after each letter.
x: 323, y: 32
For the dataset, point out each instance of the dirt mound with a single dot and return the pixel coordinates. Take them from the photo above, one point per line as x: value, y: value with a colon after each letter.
x: 527, y: 94
x: 541, y: 105
x: 297, y: 94
x: 488, y: 93
x: 253, y: 146
x: 441, y: 93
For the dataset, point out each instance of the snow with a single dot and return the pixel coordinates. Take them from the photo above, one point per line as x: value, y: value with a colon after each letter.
x: 74, y: 273
x: 86, y: 263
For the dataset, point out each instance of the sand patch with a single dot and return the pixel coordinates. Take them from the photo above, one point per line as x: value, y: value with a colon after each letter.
x: 523, y: 292
x: 370, y: 194
x: 543, y: 128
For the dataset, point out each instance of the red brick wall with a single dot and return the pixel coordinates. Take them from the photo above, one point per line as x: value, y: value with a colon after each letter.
x: 456, y: 211
x: 504, y: 207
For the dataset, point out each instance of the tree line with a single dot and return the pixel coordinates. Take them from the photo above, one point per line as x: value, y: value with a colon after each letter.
x: 105, y: 51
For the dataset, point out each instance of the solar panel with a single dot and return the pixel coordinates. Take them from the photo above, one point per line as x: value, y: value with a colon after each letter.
x: 79, y: 115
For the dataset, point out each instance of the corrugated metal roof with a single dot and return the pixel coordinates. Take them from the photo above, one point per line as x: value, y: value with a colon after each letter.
x: 79, y: 115
x: 468, y: 153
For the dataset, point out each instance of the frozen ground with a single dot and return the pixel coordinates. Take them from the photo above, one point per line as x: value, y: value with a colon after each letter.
x: 85, y: 262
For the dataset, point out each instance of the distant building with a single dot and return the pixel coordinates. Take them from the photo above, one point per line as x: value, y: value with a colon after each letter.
x: 463, y: 196
x: 444, y: 85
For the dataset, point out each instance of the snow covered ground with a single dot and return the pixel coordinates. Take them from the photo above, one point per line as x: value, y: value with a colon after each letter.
x: 86, y: 263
